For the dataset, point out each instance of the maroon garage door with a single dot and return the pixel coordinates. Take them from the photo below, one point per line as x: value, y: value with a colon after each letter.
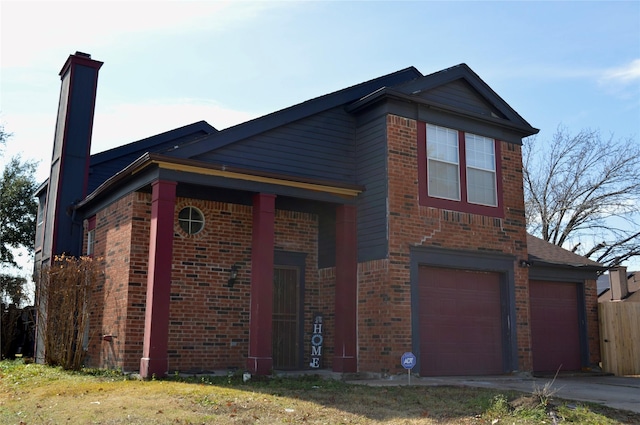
x: 555, y: 332
x: 460, y: 322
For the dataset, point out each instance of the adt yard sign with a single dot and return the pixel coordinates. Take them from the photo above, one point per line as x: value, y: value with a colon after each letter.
x: 408, y: 361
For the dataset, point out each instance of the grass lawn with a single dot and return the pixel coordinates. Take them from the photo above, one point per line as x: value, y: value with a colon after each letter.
x: 35, y: 394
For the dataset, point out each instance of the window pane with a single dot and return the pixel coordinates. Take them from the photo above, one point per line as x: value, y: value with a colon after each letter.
x: 444, y: 180
x: 442, y: 144
x: 481, y: 187
x: 191, y: 220
x: 196, y: 226
x: 91, y: 238
x: 443, y: 162
x: 480, y: 152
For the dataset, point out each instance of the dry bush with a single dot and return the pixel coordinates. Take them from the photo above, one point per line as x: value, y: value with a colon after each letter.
x: 8, y: 322
x: 64, y: 308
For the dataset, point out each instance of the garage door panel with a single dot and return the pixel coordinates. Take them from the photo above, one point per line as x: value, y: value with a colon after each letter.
x: 555, y: 328
x: 460, y: 322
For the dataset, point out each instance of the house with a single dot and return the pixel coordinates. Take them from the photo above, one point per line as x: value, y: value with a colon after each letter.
x: 619, y: 285
x: 338, y: 233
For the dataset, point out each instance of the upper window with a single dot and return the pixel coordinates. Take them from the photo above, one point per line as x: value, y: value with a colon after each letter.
x: 459, y: 171
x: 91, y: 236
x: 191, y: 220
x: 443, y: 162
x: 480, y: 153
x: 91, y: 241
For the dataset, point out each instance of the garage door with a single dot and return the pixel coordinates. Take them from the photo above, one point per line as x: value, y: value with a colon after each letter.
x: 460, y: 322
x: 555, y: 330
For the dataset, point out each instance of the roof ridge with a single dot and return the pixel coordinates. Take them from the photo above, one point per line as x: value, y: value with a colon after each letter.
x: 298, y: 111
x: 122, y: 150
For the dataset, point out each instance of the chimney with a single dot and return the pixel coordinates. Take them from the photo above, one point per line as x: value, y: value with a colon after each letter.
x: 619, y: 283
x: 68, y: 178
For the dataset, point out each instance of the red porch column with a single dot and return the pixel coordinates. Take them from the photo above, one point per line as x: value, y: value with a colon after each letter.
x: 345, y: 356
x: 260, y: 360
x: 154, y: 359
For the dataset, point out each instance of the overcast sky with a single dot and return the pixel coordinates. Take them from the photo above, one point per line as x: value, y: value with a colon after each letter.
x: 168, y: 64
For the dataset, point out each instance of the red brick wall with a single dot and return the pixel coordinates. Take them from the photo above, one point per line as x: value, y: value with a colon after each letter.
x: 593, y: 327
x: 112, y: 250
x: 209, y: 323
x: 138, y: 270
x: 413, y: 225
x: 377, y: 316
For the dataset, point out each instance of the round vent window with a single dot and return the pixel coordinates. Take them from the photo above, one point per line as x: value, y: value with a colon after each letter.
x: 191, y: 220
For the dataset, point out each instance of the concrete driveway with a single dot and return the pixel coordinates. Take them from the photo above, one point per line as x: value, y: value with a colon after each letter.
x: 612, y: 391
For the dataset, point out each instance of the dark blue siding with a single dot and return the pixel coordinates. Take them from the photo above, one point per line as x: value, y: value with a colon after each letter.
x: 73, y: 164
x: 460, y: 94
x: 320, y: 147
x: 372, y: 173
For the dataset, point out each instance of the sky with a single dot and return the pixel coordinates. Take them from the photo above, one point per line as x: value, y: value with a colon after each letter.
x: 172, y: 63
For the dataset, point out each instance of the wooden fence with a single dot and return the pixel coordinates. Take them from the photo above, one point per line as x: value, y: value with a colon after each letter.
x: 620, y: 337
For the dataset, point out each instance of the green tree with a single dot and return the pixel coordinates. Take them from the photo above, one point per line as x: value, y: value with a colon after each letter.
x: 18, y: 209
x: 582, y: 192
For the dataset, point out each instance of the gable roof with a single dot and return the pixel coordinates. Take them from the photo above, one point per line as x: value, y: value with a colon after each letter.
x: 193, y: 141
x: 421, y: 91
x: 543, y: 252
x: 293, y: 113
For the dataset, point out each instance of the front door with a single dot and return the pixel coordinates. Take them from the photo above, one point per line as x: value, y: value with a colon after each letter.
x: 286, y: 312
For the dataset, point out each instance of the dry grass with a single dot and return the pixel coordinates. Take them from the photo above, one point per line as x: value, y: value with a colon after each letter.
x: 35, y: 394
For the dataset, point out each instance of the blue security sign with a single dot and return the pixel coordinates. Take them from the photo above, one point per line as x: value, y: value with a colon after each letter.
x: 408, y: 360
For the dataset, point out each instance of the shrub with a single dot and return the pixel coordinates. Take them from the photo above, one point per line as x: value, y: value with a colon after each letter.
x: 64, y: 306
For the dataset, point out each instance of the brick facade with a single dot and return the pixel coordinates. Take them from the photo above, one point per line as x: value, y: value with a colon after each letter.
x: 593, y: 325
x: 413, y: 225
x: 209, y: 322
x: 121, y: 292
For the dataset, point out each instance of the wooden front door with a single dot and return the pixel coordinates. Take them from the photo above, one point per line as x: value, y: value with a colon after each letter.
x: 286, y: 313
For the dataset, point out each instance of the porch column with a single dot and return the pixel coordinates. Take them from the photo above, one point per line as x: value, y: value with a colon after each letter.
x: 260, y: 360
x: 345, y: 356
x: 154, y: 359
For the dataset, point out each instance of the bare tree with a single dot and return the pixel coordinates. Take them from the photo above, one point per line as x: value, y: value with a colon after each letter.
x: 582, y: 192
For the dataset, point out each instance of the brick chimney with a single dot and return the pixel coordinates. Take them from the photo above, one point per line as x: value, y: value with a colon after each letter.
x: 619, y: 283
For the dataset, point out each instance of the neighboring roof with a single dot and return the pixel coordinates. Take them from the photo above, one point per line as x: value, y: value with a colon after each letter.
x: 633, y: 285
x: 603, y: 283
x: 633, y: 281
x: 294, y: 113
x: 543, y: 252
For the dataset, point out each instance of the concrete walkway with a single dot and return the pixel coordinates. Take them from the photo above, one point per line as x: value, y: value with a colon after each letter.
x: 612, y: 391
